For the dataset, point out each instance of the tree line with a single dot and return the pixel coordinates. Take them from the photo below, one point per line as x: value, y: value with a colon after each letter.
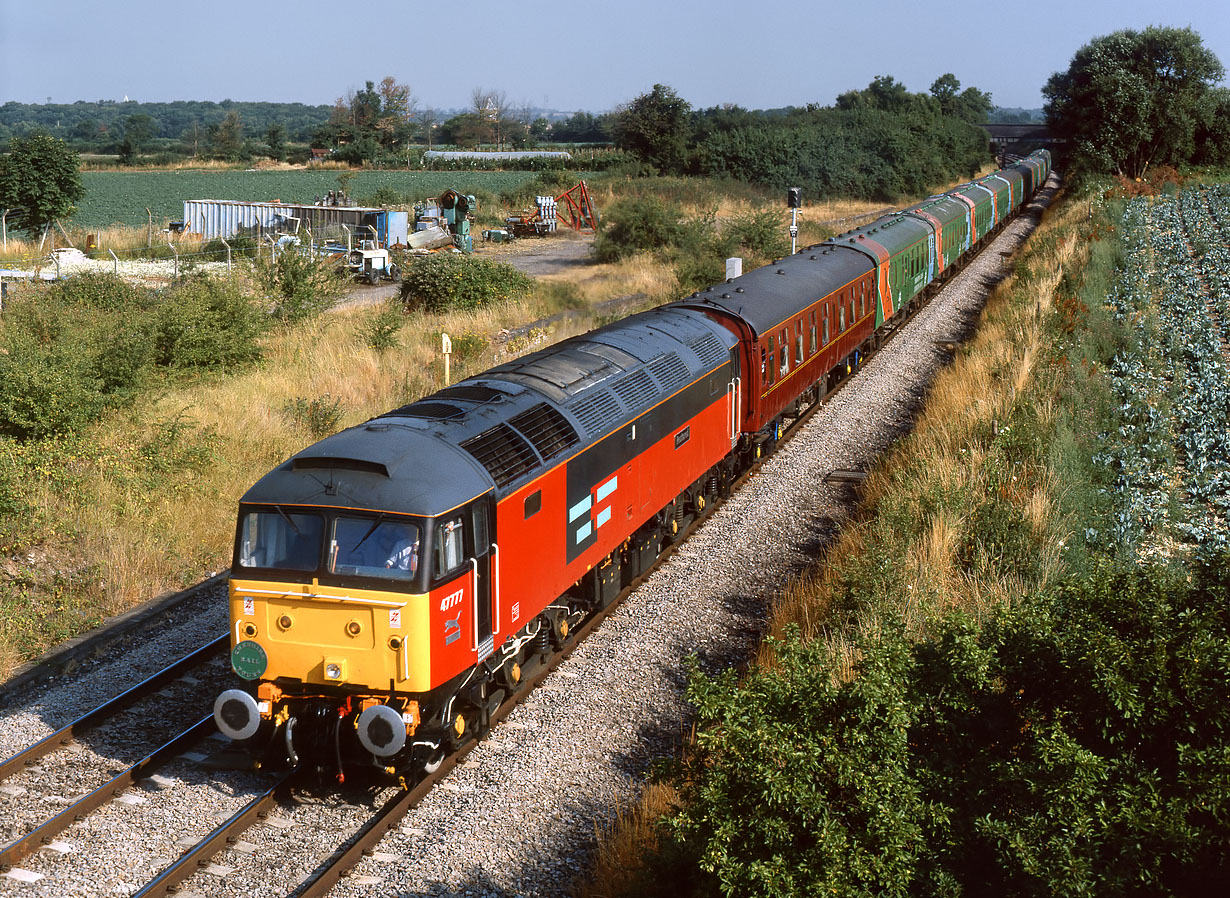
x: 879, y: 142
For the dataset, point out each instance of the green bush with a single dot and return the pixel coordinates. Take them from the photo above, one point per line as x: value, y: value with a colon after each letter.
x: 637, y: 224
x: 1077, y: 744
x: 759, y: 237
x: 380, y: 330
x: 46, y: 389
x: 300, y: 286
x: 444, y: 282
x: 207, y: 324
x: 100, y: 291
x: 320, y: 416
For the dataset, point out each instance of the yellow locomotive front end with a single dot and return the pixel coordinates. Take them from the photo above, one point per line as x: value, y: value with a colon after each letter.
x: 329, y: 621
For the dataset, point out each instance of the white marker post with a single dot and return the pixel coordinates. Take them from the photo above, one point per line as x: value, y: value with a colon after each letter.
x: 794, y: 199
x: 447, y: 348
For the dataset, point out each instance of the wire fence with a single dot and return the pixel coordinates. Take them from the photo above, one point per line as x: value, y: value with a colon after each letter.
x: 169, y: 260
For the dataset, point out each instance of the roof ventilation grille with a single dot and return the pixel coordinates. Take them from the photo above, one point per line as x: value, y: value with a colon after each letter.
x: 472, y: 393
x: 597, y: 412
x: 670, y: 370
x: 547, y: 429
x: 635, y: 390
x: 708, y: 349
x: 503, y: 452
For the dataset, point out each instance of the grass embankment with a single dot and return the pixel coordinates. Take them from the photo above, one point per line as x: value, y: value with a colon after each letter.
x: 887, y: 738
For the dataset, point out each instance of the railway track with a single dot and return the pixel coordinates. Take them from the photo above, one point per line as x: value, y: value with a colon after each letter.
x: 66, y: 736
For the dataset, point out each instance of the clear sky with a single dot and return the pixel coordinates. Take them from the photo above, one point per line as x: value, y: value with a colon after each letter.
x: 581, y: 54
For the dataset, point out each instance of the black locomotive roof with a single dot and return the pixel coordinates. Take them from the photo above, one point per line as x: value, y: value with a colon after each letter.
x: 768, y: 296
x: 505, y: 426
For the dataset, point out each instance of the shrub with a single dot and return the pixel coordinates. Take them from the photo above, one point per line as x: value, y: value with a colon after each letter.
x: 1076, y: 744
x: 638, y: 224
x: 444, y: 282
x: 320, y: 417
x: 46, y: 389
x: 300, y: 286
x: 100, y: 291
x: 380, y: 330
x: 207, y: 323
x: 758, y: 236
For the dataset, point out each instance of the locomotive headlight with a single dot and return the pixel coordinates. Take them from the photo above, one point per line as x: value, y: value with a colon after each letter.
x: 335, y: 670
x: 249, y: 629
x: 286, y: 621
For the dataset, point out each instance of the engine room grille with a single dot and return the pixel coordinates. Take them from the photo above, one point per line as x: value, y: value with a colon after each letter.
x: 503, y: 452
x: 597, y: 413
x: 434, y: 410
x: 636, y: 390
x: 547, y: 429
x: 472, y: 393
x: 708, y: 349
x: 670, y: 371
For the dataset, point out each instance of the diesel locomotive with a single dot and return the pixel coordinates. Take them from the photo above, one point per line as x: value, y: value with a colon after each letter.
x: 393, y: 583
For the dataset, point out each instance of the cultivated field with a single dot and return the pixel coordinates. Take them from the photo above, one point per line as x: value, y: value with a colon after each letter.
x: 120, y: 197
x: 1170, y: 451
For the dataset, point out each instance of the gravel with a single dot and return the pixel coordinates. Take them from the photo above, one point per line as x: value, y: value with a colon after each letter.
x: 518, y: 816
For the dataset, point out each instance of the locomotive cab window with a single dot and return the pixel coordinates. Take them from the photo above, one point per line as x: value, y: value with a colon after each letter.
x: 280, y: 540
x: 449, y: 545
x: 376, y: 547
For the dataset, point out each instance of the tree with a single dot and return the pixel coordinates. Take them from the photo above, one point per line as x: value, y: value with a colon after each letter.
x: 657, y: 127
x: 138, y: 129
x: 192, y: 136
x: 1132, y: 99
x: 228, y: 136
x: 944, y: 89
x: 39, y: 181
x: 275, y: 138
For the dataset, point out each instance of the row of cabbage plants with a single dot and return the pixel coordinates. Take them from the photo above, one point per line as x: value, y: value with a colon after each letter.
x: 1170, y: 455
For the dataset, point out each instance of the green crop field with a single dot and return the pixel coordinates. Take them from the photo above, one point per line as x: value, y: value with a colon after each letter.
x: 122, y: 197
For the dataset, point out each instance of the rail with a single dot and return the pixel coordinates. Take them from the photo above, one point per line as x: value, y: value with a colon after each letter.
x: 110, y: 708
x: 42, y: 835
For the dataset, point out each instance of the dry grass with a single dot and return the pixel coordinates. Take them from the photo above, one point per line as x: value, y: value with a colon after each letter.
x: 616, y: 868
x: 950, y: 455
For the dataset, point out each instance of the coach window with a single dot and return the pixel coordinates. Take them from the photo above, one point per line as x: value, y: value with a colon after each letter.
x: 785, y: 359
x: 841, y: 320
x: 798, y: 344
x: 763, y: 364
x: 826, y: 324
x: 813, y: 332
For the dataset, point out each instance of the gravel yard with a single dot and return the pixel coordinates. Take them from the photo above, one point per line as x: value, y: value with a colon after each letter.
x: 518, y: 816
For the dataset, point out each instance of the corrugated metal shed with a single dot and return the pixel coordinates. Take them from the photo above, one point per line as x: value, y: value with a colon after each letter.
x: 211, y: 219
